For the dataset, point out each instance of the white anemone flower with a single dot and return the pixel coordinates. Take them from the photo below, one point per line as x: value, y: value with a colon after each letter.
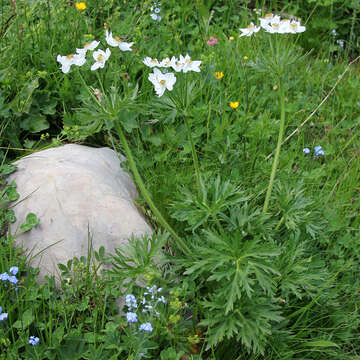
x: 100, y: 58
x: 284, y: 26
x: 150, y: 62
x: 249, y: 30
x: 167, y: 62
x: 189, y: 65
x: 162, y: 81
x: 89, y: 46
x: 68, y: 60
x: 274, y: 25
x: 267, y: 19
x: 177, y: 65
x: 295, y: 27
x: 117, y: 41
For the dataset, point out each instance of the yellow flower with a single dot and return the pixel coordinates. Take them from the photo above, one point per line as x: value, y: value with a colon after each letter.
x: 231, y: 38
x: 234, y: 104
x: 80, y: 6
x: 218, y: 75
x: 245, y: 57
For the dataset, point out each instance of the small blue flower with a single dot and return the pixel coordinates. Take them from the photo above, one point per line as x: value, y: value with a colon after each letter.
x: 157, y: 10
x: 161, y: 299
x: 33, y: 340
x: 3, y: 316
x: 4, y: 276
x: 306, y: 151
x: 146, y: 327
x: 130, y: 301
x: 319, y: 151
x: 14, y: 270
x: 13, y: 280
x: 131, y: 317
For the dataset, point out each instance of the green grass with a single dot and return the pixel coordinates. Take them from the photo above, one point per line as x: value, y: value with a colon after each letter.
x: 241, y: 280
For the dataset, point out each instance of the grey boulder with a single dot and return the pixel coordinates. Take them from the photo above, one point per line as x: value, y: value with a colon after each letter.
x: 73, y: 189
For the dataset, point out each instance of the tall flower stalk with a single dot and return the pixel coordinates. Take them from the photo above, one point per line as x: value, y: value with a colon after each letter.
x: 145, y: 193
x: 278, y: 147
x: 194, y: 155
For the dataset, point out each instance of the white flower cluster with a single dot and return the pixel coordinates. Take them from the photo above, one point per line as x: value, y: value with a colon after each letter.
x: 274, y: 24
x: 163, y: 81
x: 100, y: 56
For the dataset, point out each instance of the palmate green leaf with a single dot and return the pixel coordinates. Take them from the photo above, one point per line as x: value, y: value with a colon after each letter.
x: 250, y: 322
x: 140, y: 257
x: 301, y: 272
x: 216, y: 198
x: 235, y: 266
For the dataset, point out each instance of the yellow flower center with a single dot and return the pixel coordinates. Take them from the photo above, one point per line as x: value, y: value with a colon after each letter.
x: 117, y: 39
x: 154, y: 61
x: 100, y: 58
x: 188, y: 61
x: 70, y: 56
x: 269, y: 16
x: 162, y: 82
x: 293, y: 25
x: 251, y: 26
x: 275, y: 25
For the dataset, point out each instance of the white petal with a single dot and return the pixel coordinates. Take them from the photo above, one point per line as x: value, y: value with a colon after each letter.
x: 65, y: 67
x: 158, y: 73
x: 81, y: 52
x: 93, y: 45
x: 95, y: 66
x: 152, y: 78
x: 110, y: 40
x: 124, y: 46
x: 160, y: 90
x: 79, y: 60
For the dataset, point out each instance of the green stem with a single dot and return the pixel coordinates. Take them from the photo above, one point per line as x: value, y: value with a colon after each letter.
x: 279, y: 223
x: 217, y: 222
x: 195, y: 159
x: 146, y: 194
x: 277, y: 151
